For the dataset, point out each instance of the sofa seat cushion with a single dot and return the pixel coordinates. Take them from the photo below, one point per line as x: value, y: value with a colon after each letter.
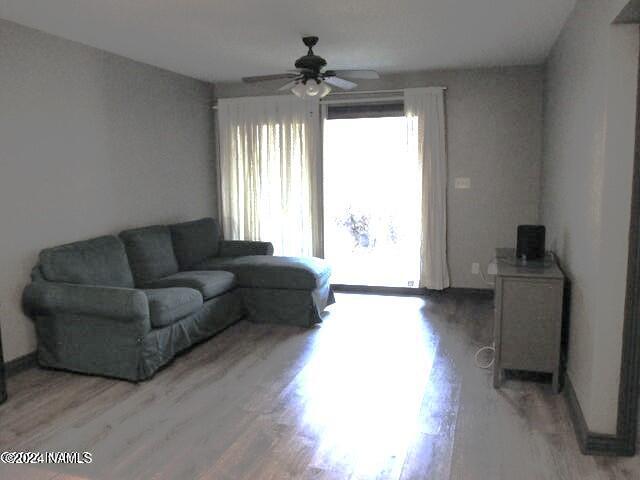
x: 150, y: 253
x: 99, y: 261
x: 209, y: 283
x: 195, y: 241
x: 168, y: 305
x: 262, y: 271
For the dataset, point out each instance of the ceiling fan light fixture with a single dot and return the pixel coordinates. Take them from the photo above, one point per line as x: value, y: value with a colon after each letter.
x: 311, y: 89
x: 300, y: 90
x: 324, y: 90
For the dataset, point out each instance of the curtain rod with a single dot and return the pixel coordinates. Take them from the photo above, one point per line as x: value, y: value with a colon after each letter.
x: 373, y: 92
x: 390, y: 95
x: 335, y: 101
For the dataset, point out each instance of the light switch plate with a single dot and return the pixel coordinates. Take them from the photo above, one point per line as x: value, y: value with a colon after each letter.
x: 492, y: 269
x: 461, y: 183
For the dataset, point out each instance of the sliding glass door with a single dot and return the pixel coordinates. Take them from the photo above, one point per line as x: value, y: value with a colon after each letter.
x: 371, y: 197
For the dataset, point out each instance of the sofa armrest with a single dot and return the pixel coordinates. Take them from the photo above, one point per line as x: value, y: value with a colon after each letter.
x: 121, y: 304
x: 241, y: 248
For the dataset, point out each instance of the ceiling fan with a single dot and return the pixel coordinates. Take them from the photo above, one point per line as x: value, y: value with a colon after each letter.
x: 309, y: 79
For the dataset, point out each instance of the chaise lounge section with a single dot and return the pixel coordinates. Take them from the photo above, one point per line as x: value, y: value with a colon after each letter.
x: 125, y: 306
x: 289, y: 290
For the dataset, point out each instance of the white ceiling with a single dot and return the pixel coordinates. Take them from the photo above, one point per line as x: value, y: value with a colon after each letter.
x: 223, y: 40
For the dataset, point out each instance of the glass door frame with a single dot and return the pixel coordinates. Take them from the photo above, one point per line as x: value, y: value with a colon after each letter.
x: 388, y: 97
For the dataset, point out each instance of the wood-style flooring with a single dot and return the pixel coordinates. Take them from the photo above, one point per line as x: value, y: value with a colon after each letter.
x: 385, y: 388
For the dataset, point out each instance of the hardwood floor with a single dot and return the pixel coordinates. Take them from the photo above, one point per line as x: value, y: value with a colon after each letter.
x: 385, y: 388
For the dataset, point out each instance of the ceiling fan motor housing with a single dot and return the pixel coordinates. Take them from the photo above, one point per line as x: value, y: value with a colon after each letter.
x: 311, y: 62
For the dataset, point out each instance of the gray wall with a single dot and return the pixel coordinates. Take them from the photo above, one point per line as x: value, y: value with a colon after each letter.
x: 90, y: 143
x: 588, y: 156
x: 494, y: 123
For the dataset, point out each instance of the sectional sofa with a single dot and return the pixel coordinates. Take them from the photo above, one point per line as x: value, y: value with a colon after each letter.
x: 123, y: 306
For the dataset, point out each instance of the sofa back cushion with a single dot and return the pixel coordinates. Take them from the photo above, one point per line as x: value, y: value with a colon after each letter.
x: 195, y: 241
x: 99, y: 261
x: 150, y: 253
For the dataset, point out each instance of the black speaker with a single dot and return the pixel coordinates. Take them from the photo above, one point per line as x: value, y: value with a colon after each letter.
x: 530, y: 244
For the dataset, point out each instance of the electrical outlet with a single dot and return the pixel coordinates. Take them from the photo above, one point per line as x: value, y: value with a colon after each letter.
x: 475, y: 268
x: 462, y: 183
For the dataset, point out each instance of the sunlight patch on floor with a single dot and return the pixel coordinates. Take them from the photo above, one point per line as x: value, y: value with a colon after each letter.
x: 359, y: 389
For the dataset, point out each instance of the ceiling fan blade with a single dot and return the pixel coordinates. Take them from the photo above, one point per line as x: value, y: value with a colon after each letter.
x: 357, y: 74
x: 266, y: 78
x: 340, y: 83
x: 288, y: 86
x: 300, y: 71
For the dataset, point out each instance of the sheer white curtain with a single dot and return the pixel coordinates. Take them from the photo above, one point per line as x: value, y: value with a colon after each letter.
x: 424, y: 108
x: 268, y: 158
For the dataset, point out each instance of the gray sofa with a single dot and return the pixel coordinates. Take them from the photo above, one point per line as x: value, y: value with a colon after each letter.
x: 124, y: 306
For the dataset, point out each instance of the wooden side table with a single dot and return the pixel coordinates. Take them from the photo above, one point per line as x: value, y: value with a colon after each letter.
x: 528, y: 316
